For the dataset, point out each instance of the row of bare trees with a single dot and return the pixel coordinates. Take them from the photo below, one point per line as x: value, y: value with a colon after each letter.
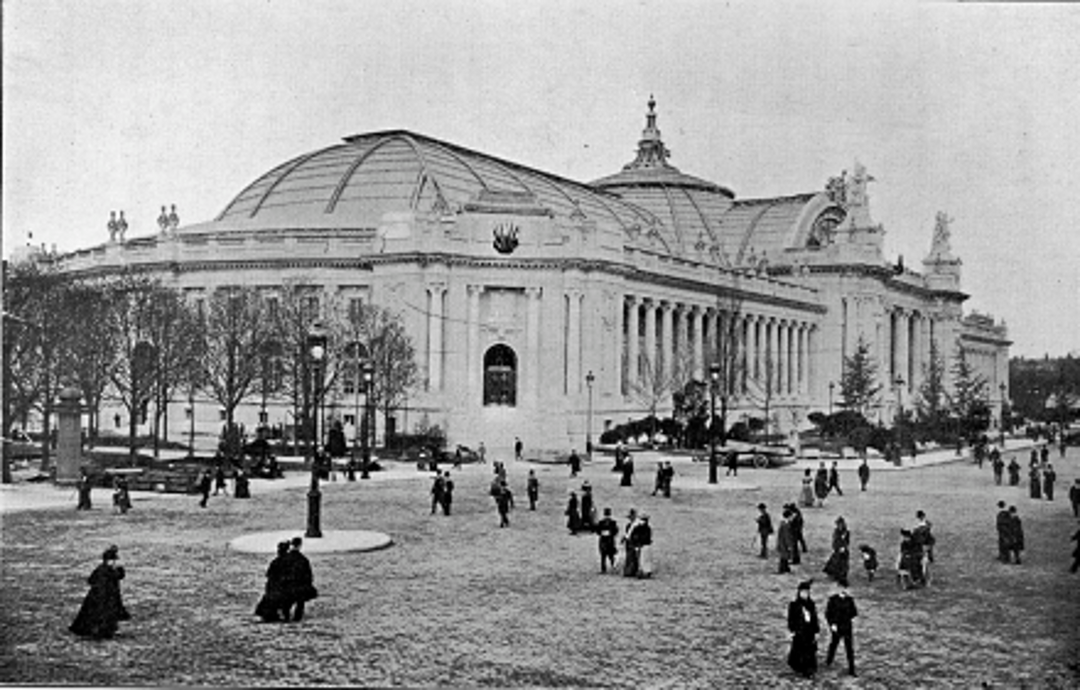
x: 130, y: 339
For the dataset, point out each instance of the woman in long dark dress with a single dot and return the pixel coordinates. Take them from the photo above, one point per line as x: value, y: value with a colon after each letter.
x: 803, y: 624
x: 275, y: 600
x: 102, y: 609
x: 840, y: 560
x: 573, y: 518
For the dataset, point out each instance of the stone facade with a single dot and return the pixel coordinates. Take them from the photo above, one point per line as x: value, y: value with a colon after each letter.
x: 540, y: 306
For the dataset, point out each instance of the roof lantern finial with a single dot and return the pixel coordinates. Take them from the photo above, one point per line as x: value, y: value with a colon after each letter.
x: 651, y: 150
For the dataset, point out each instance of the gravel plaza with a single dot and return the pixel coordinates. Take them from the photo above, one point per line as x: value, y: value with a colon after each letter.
x: 458, y: 602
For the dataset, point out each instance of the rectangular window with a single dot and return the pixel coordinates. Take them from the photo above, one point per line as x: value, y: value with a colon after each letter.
x: 356, y: 310
x: 273, y: 306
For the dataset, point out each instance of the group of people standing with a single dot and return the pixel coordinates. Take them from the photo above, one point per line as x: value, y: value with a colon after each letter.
x: 290, y: 584
x: 816, y: 488
x: 1010, y: 532
x: 442, y: 493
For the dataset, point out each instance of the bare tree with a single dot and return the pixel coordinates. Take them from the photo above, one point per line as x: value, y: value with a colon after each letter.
x: 658, y: 384
x: 90, y: 355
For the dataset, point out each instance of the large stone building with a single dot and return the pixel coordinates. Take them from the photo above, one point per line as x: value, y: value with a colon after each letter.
x: 551, y: 309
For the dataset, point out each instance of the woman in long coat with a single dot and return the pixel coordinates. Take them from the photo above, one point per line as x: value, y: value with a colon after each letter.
x: 274, y: 601
x: 1036, y: 482
x: 803, y: 624
x: 807, y: 495
x: 102, y: 609
x: 573, y: 518
x: 837, y: 566
x: 821, y: 484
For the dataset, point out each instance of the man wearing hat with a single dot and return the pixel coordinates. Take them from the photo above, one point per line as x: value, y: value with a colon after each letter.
x: 764, y: 528
x: 608, y: 530
x: 840, y: 613
x: 784, y: 541
x: 1003, y: 531
x: 641, y: 536
x: 803, y: 625
x: 1074, y: 497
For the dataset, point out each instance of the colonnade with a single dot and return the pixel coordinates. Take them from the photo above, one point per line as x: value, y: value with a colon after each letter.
x: 666, y: 341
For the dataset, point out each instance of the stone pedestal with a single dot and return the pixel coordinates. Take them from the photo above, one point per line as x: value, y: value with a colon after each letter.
x: 68, y: 437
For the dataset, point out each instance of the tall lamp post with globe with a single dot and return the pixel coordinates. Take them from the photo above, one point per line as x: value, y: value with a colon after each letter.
x: 368, y: 374
x: 316, y: 360
x: 589, y: 380
x: 1001, y: 419
x: 714, y: 383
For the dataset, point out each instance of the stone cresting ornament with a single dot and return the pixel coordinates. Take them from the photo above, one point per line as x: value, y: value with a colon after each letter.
x: 506, y: 238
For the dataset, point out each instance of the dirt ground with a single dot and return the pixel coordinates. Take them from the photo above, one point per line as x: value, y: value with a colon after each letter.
x: 456, y: 601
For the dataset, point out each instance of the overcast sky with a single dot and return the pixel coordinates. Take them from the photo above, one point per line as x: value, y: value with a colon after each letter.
x: 972, y: 109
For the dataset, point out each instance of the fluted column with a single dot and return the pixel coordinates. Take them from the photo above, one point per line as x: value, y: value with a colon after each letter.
x: 902, y: 350
x: 473, y: 354
x: 633, y: 351
x: 667, y: 345
x: 649, y: 356
x: 784, y: 379
x: 435, y: 336
x: 532, y: 327
x: 573, y: 343
x: 757, y: 326
x: 698, y: 327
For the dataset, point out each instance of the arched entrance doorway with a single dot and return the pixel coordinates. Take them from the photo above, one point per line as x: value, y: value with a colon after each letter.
x: 500, y: 376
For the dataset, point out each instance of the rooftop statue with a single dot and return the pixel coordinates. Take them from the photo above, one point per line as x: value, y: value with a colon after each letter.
x: 942, y: 234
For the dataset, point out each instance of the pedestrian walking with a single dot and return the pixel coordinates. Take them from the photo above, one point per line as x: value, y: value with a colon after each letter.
x: 242, y: 484
x: 999, y: 467
x: 1049, y: 477
x: 298, y: 581
x: 272, y: 606
x: 573, y: 517
x: 870, y: 561
x: 219, y: 479
x: 806, y: 495
x: 84, y: 487
x: 532, y: 489
x: 658, y: 483
x: 731, y: 460
x: 627, y: 471
x: 803, y: 625
x: 121, y: 496
x: 575, y: 463
x: 1016, y: 535
x: 1014, y: 472
x: 798, y: 525
x: 924, y: 538
x: 204, y: 487
x: 764, y: 529
x: 103, y: 608
x: 481, y: 453
x: 669, y: 474
x: 1004, y: 533
x: 630, y: 553
x: 641, y: 537
x: 1074, y: 497
x: 504, y: 502
x: 785, y: 542
x: 1035, y: 483
x: 588, y: 508
x: 519, y: 448
x: 864, y: 474
x: 837, y: 565
x: 834, y: 479
x: 909, y: 562
x: 608, y: 530
x: 1044, y: 454
x: 821, y: 484
x: 436, y: 492
x: 447, y: 498
x: 840, y: 613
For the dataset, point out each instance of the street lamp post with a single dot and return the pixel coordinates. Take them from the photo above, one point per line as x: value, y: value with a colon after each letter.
x: 369, y: 379
x: 589, y: 379
x: 1001, y: 418
x: 899, y: 412
x: 357, y: 349
x: 832, y: 387
x: 714, y: 380
x: 316, y: 354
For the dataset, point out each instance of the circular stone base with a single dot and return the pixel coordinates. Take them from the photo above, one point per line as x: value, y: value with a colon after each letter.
x: 331, y: 541
x: 723, y: 484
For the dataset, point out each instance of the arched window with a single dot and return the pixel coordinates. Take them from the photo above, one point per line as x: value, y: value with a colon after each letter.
x: 500, y: 376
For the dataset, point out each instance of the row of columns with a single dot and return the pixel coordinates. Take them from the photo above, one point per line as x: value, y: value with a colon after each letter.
x: 772, y: 353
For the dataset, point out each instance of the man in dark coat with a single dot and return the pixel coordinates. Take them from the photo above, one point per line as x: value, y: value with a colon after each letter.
x: 798, y: 524
x: 999, y: 468
x: 243, y: 484
x: 447, y: 493
x: 504, y: 502
x: 1016, y: 535
x: 1035, y: 483
x: 575, y: 463
x: 588, y: 511
x: 821, y: 484
x: 864, y: 474
x: 1003, y: 531
x: 519, y: 448
x: 84, y: 487
x: 219, y: 479
x: 669, y: 474
x: 803, y: 624
x: 204, y: 487
x: 436, y: 492
x: 102, y: 609
x: 1014, y: 472
x: 1074, y: 497
x: 532, y: 489
x: 840, y: 612
x: 1049, y: 477
x: 573, y: 517
x: 785, y: 542
x: 731, y: 459
x: 627, y: 471
x: 764, y: 529
x: 121, y: 496
x: 608, y: 530
x: 834, y: 479
x: 298, y: 581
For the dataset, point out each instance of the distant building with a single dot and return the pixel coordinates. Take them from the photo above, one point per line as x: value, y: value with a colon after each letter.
x: 516, y: 284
